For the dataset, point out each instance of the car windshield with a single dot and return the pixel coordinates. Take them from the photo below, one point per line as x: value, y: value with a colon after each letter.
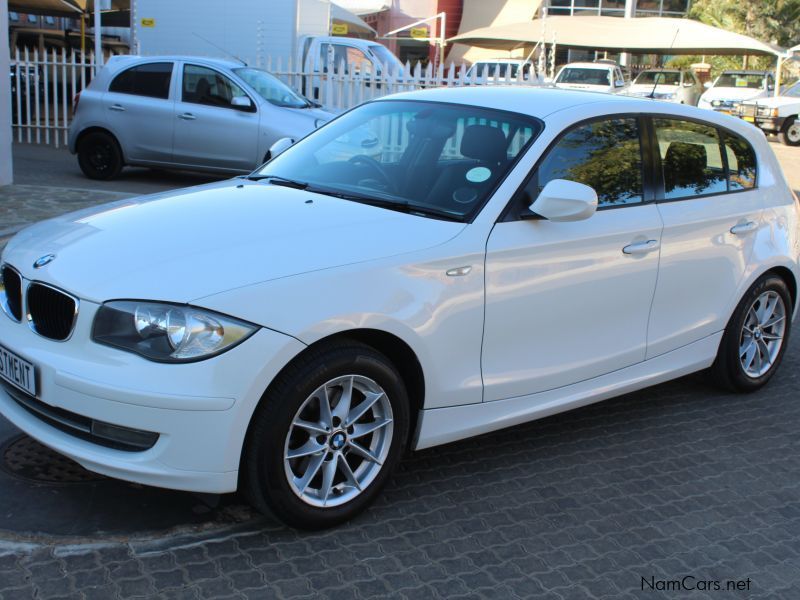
x: 793, y: 91
x: 427, y: 158
x: 740, y: 80
x: 585, y: 76
x: 272, y: 89
x: 658, y: 78
x: 386, y: 58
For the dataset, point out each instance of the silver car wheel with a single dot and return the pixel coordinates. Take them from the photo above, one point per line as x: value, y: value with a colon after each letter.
x: 338, y: 441
x: 762, y: 334
x: 793, y: 132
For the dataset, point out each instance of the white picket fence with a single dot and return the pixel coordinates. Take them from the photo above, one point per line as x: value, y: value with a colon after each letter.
x: 44, y: 86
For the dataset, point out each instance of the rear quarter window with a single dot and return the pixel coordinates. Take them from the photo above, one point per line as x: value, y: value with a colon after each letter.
x: 742, y: 165
x: 151, y: 80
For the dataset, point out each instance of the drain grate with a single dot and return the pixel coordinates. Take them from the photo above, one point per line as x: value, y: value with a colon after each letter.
x: 27, y: 458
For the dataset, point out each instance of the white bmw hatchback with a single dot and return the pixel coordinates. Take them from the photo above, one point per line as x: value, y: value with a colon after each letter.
x: 508, y: 254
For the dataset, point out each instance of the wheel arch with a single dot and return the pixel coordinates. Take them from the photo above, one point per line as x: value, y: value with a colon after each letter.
x: 790, y: 280
x: 100, y: 129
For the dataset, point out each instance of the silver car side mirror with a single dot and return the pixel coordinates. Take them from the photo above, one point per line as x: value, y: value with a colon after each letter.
x: 241, y: 102
x: 563, y: 200
x: 280, y: 147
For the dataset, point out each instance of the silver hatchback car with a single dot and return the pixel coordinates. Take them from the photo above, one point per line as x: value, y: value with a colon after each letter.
x: 186, y: 113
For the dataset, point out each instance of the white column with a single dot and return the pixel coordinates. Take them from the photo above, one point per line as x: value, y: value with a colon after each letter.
x: 6, y: 171
x: 630, y: 11
x: 98, y: 37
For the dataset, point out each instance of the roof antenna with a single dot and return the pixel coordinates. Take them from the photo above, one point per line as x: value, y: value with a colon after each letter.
x: 220, y: 48
x: 652, y: 94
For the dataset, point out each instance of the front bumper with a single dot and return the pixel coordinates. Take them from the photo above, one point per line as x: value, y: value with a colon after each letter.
x: 770, y: 124
x: 200, y: 411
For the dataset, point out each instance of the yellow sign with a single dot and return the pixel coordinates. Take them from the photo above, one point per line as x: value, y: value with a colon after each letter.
x: 419, y: 32
x: 148, y: 22
x: 339, y: 29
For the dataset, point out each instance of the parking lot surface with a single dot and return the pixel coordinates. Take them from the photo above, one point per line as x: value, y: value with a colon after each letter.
x: 669, y: 492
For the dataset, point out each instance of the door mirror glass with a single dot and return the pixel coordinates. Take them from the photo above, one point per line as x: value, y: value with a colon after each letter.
x: 562, y: 200
x: 280, y: 147
x: 619, y: 83
x: 707, y: 85
x: 241, y: 102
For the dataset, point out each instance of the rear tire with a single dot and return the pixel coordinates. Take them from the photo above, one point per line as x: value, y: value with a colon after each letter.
x: 99, y: 156
x: 306, y: 464
x: 755, y: 338
x: 790, y: 132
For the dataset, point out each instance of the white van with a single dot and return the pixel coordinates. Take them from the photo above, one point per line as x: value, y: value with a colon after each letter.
x: 322, y: 54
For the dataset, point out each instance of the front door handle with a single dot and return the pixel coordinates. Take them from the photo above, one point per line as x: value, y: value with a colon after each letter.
x: 117, y: 107
x: 187, y: 117
x: 741, y: 228
x: 641, y: 247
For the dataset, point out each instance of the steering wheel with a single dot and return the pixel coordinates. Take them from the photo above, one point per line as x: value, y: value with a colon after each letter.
x: 377, y: 168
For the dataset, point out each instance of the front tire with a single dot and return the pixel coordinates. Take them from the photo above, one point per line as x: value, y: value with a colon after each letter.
x: 790, y: 133
x: 99, y: 156
x: 326, y: 436
x: 756, y: 337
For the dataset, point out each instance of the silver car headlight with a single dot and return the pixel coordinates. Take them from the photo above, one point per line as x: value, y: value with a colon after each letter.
x: 167, y: 332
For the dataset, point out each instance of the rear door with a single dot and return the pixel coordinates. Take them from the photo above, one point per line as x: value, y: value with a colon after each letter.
x: 210, y: 132
x: 139, y: 110
x: 711, y: 211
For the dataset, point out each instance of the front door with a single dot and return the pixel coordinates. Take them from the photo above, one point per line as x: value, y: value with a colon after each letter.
x: 711, y: 216
x: 210, y: 132
x: 567, y: 302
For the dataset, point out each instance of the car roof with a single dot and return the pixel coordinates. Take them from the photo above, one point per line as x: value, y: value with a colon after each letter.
x: 746, y: 72
x: 659, y: 70
x: 590, y: 65
x: 128, y: 60
x: 540, y: 102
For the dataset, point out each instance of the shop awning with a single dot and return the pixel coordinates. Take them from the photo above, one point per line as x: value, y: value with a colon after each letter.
x: 355, y: 24
x: 61, y: 8
x: 646, y: 35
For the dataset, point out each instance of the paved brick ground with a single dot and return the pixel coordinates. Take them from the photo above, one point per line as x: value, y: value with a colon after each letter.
x: 678, y: 480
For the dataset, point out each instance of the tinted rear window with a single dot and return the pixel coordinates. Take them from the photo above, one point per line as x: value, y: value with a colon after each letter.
x: 150, y: 80
x: 741, y: 162
x: 691, y: 159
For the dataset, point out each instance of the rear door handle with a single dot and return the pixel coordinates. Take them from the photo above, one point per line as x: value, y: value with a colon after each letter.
x: 641, y: 247
x: 117, y: 107
x: 744, y: 228
x: 187, y: 117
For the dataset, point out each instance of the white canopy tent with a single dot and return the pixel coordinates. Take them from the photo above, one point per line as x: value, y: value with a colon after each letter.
x: 354, y: 23
x: 645, y: 35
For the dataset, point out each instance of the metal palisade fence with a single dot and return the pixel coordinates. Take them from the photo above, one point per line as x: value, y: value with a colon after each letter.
x: 44, y: 85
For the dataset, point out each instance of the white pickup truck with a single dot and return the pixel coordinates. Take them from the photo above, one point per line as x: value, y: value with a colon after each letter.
x: 779, y: 115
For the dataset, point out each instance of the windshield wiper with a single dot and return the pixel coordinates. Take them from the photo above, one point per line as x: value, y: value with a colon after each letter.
x: 399, y: 205
x: 277, y: 180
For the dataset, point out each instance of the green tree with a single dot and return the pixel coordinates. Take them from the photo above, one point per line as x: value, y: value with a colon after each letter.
x: 771, y: 21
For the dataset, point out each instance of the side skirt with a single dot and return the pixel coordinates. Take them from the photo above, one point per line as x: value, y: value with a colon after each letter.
x: 443, y: 425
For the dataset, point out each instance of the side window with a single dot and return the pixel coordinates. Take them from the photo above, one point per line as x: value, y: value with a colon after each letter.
x: 690, y: 158
x: 741, y: 162
x: 202, y: 85
x: 151, y: 79
x: 357, y: 61
x: 605, y: 155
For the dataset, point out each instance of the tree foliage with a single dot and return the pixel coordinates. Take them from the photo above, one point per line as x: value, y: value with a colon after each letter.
x: 771, y: 21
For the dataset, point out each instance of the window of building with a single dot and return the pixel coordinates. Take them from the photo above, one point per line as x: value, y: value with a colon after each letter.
x: 13, y: 16
x: 690, y: 159
x: 151, y: 79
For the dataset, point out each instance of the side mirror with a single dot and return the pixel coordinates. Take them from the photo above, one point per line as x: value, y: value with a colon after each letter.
x: 241, y: 102
x: 563, y: 200
x: 707, y: 85
x: 619, y: 83
x: 280, y: 147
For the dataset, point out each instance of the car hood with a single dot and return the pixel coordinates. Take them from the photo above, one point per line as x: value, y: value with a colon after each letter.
x: 583, y: 86
x: 775, y: 102
x: 727, y: 93
x: 641, y: 88
x: 184, y: 245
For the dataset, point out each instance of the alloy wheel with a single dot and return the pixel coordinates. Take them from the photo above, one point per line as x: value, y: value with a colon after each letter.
x: 338, y: 441
x: 762, y: 334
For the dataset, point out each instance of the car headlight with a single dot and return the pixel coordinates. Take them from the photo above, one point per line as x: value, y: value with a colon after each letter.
x: 167, y: 332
